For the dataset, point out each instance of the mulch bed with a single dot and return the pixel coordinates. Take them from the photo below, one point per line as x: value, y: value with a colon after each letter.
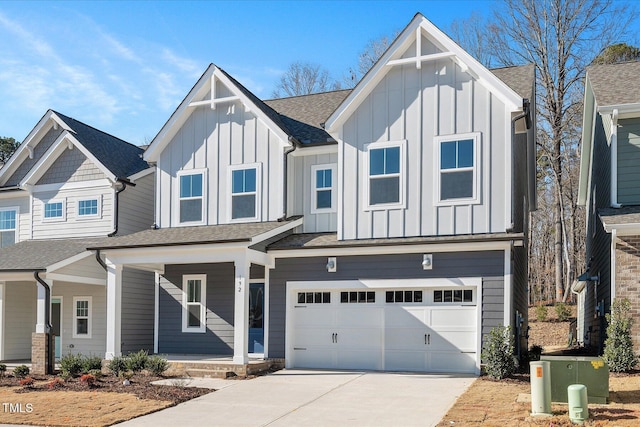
x: 140, y: 386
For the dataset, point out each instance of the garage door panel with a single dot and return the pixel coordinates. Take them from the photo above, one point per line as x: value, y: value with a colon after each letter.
x: 402, y: 317
x: 314, y: 357
x: 313, y: 316
x: 360, y: 316
x: 305, y: 337
x: 452, y: 340
x: 405, y: 339
x: 453, y: 317
x: 452, y: 362
x: 405, y: 361
x: 358, y: 359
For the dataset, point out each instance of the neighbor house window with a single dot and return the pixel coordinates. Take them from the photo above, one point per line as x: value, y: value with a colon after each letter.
x: 82, y: 317
x: 54, y: 210
x: 194, y: 291
x: 323, y: 188
x: 458, y: 168
x: 88, y: 208
x: 191, y: 203
x: 385, y: 178
x: 244, y: 192
x: 8, y: 224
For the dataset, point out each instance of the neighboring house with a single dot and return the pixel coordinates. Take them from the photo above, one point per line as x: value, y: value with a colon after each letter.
x: 378, y: 228
x: 66, y: 187
x: 610, y: 191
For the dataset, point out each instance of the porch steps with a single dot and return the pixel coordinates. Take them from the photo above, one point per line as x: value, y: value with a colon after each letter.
x: 222, y: 369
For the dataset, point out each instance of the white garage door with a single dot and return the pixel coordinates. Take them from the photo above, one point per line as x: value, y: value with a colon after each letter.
x: 427, y: 330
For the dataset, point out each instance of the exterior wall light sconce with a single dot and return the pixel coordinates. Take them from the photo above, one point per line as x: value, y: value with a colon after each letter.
x: 332, y: 265
x: 427, y: 261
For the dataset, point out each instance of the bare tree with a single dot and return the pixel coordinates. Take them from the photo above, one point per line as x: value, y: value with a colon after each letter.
x: 304, y: 78
x: 367, y: 58
x: 471, y: 34
x: 560, y: 37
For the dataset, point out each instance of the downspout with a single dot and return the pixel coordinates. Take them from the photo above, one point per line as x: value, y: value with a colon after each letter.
x: 116, y: 207
x: 527, y: 118
x: 47, y: 318
x: 100, y: 261
x: 294, y: 142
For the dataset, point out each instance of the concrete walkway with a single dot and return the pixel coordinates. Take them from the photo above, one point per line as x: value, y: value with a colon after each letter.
x: 319, y: 398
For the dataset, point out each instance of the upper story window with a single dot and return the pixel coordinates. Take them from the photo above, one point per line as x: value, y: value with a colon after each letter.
x: 458, y: 168
x: 323, y: 188
x: 8, y: 227
x: 54, y: 210
x: 194, y: 297
x: 245, y: 181
x: 191, y: 204
x: 386, y: 170
x: 88, y: 208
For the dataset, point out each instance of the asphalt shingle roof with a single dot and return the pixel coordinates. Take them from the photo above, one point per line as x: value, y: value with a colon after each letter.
x: 120, y: 157
x: 33, y: 255
x: 203, y: 234
x: 615, y: 84
x: 624, y: 215
x: 330, y: 240
x: 519, y: 78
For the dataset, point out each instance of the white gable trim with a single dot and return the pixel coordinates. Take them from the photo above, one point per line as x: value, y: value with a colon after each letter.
x: 195, y: 99
x: 417, y: 27
x: 25, y: 149
x: 133, y: 178
x: 66, y: 140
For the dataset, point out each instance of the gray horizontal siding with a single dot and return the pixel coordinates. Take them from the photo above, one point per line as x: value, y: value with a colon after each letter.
x: 137, y: 310
x: 628, y: 161
x: 218, y: 338
x: 488, y: 265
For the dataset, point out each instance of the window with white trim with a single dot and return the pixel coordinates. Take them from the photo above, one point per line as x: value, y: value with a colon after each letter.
x: 458, y: 168
x: 54, y: 210
x: 191, y: 196
x: 8, y: 227
x: 323, y: 188
x: 452, y: 295
x: 245, y: 200
x: 385, y: 174
x: 82, y: 317
x: 194, y: 297
x: 88, y: 208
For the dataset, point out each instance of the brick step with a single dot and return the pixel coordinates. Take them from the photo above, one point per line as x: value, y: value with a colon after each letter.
x: 209, y: 373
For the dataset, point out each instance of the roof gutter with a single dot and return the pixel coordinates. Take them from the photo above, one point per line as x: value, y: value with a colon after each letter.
x: 47, y: 318
x: 295, y: 144
x: 116, y: 205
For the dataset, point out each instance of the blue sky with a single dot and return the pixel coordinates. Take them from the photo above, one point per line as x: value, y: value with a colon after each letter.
x: 123, y: 67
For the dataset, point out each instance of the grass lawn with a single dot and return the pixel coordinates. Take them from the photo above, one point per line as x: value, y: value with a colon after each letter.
x: 494, y: 403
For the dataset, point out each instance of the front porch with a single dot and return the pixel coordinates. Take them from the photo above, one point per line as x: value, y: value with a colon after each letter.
x: 211, y: 366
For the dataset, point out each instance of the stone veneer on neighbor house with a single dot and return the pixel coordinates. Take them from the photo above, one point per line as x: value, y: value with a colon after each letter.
x: 628, y: 279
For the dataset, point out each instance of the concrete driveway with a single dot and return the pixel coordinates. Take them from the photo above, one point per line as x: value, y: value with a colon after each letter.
x: 319, y: 398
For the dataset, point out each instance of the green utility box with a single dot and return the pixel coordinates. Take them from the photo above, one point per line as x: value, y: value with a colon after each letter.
x: 592, y: 372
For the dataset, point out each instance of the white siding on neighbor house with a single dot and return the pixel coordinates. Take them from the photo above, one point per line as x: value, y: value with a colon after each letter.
x: 19, y: 319
x: 214, y: 140
x: 135, y: 206
x: 21, y: 201
x: 72, y: 226
x: 87, y: 267
x: 301, y: 193
x: 96, y: 345
x: 71, y: 166
x: 416, y: 106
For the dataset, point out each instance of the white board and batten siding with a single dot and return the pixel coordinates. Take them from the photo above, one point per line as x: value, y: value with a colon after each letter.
x: 302, y: 194
x: 418, y: 106
x: 71, y: 225
x: 213, y: 140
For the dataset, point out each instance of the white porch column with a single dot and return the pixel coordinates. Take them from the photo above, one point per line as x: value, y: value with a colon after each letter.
x: 114, y: 305
x: 241, y: 312
x: 41, y: 309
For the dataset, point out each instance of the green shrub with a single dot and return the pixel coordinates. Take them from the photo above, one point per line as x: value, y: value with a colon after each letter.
x: 3, y: 370
x: 618, y: 347
x: 497, y: 353
x: 21, y: 371
x: 117, y: 365
x: 541, y: 313
x: 137, y: 361
x: 156, y: 365
x: 96, y: 373
x: 535, y: 351
x: 562, y: 311
x: 71, y: 365
x: 91, y: 363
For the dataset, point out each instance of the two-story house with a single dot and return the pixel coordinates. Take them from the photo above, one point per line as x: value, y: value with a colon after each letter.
x: 66, y: 187
x: 610, y: 191
x: 379, y: 228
